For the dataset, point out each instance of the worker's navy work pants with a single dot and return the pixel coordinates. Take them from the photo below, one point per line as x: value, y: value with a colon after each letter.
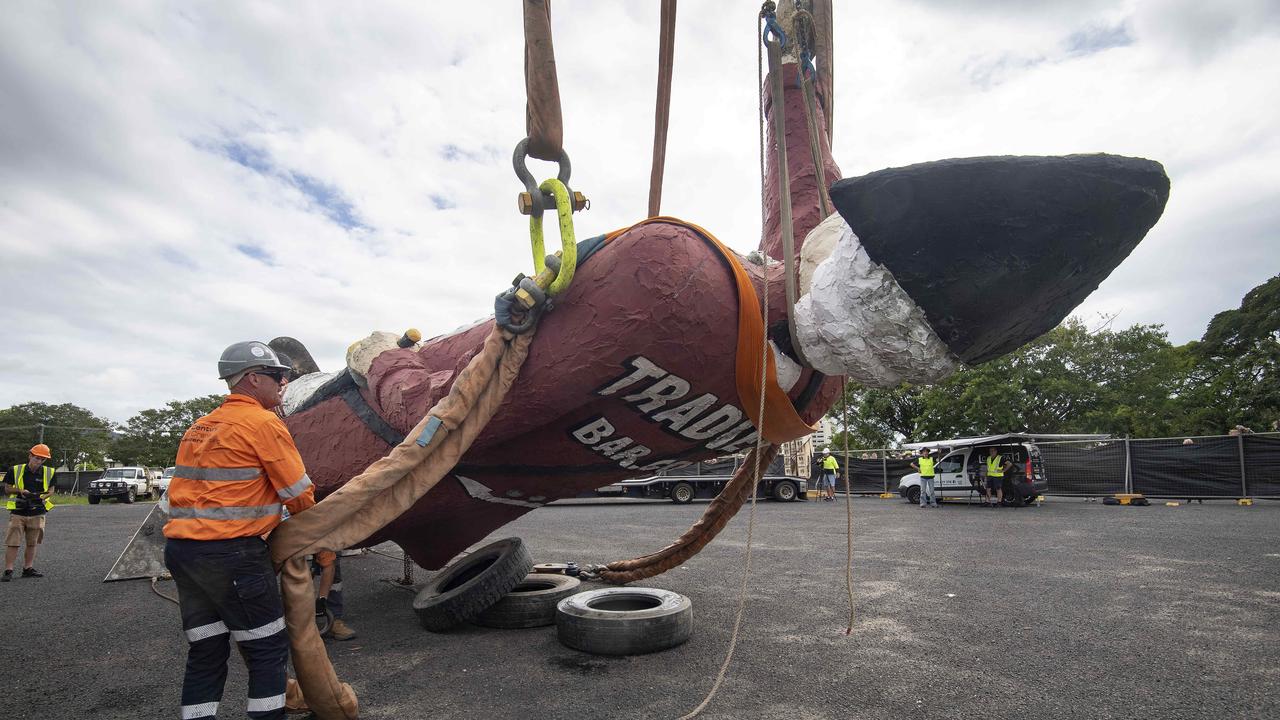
x: 228, y: 591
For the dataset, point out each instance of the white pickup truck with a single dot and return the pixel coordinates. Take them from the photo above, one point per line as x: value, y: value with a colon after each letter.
x: 123, y: 483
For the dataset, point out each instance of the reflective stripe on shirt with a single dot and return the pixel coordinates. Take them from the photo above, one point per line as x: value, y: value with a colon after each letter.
x: 295, y: 489
x: 223, y: 474
x: 226, y: 512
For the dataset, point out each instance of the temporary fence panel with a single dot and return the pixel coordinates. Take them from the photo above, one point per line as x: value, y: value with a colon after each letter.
x: 1262, y: 464
x: 875, y: 473
x: 866, y: 476
x: 1084, y: 467
x: 68, y: 481
x: 1207, y: 467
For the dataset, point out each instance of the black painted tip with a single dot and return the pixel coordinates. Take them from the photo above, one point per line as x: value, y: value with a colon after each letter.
x: 998, y: 250
x: 299, y: 357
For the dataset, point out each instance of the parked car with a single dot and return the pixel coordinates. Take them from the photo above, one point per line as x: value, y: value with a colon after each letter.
x: 963, y: 473
x: 162, y: 482
x: 126, y: 484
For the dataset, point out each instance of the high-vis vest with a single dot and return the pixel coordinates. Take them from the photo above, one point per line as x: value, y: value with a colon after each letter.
x: 995, y: 466
x: 237, y: 470
x: 15, y: 478
x: 829, y: 463
x: 926, y: 467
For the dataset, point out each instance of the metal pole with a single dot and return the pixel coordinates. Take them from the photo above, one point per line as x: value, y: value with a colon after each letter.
x: 884, y: 469
x: 41, y: 439
x: 1244, y: 483
x: 1128, y: 468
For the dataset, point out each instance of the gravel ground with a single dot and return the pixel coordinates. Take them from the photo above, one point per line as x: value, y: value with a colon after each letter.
x: 1071, y: 610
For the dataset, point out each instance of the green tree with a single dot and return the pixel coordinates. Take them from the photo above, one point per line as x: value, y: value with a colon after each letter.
x: 1043, y: 387
x: 73, y: 434
x: 877, y: 417
x: 151, y: 437
x: 1141, y: 382
x: 1237, y: 365
x: 1069, y: 380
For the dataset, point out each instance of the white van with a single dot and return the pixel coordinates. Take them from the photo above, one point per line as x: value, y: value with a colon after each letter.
x: 962, y: 473
x: 960, y: 470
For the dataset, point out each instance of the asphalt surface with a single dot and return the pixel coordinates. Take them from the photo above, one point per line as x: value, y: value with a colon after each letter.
x: 1071, y: 610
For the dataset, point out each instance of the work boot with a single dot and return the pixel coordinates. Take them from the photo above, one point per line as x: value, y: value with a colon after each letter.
x: 341, y: 631
x: 8, y: 575
x: 31, y: 572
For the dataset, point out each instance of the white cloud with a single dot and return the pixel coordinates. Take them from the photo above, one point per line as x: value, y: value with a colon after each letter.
x: 128, y: 228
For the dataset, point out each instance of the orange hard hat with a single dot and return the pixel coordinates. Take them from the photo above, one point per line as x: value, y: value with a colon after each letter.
x: 41, y: 450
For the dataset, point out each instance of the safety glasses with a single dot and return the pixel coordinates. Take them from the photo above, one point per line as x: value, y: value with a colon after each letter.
x: 277, y: 375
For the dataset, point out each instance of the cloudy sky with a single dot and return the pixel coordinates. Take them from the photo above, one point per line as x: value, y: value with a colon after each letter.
x: 178, y: 176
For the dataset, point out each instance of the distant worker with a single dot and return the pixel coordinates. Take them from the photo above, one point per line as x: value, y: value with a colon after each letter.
x: 997, y: 466
x: 328, y: 567
x: 28, y: 487
x: 236, y: 468
x: 829, y: 468
x: 928, y: 493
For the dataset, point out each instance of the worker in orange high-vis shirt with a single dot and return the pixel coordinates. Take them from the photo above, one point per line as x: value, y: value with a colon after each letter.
x: 237, y: 470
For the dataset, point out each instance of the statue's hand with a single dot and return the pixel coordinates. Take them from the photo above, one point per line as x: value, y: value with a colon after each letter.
x: 361, y: 353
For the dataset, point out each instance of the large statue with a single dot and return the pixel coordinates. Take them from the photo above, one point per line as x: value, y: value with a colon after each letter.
x: 647, y: 362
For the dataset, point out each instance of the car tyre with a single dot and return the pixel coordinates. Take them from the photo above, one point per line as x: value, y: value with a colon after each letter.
x: 913, y: 495
x: 785, y: 491
x: 129, y: 496
x: 682, y: 493
x: 532, y: 603
x: 624, y: 621
x: 94, y: 499
x: 466, y: 587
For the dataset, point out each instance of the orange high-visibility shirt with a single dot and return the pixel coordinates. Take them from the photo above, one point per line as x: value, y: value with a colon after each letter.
x: 236, y: 468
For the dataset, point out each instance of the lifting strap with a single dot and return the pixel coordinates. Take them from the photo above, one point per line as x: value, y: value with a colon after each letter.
x: 781, y: 422
x: 543, y: 123
x: 662, y: 108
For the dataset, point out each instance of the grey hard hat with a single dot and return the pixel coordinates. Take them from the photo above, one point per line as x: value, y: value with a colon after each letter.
x: 242, y: 356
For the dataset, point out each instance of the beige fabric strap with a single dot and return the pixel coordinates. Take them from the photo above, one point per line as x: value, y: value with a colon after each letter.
x: 662, y: 108
x: 377, y: 496
x: 822, y: 20
x: 543, y: 123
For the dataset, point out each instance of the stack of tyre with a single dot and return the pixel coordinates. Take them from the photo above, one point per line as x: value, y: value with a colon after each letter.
x: 494, y: 587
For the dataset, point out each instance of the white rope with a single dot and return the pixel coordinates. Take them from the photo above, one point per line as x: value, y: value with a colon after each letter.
x: 755, y: 470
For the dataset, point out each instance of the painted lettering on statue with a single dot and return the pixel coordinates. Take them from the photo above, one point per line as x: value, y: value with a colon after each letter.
x: 660, y: 397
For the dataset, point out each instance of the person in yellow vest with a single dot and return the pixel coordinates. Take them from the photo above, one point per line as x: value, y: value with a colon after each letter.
x: 28, y: 488
x: 924, y: 466
x: 997, y: 466
x: 829, y: 468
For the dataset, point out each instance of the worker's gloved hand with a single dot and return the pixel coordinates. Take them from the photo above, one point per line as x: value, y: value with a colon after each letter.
x: 322, y: 605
